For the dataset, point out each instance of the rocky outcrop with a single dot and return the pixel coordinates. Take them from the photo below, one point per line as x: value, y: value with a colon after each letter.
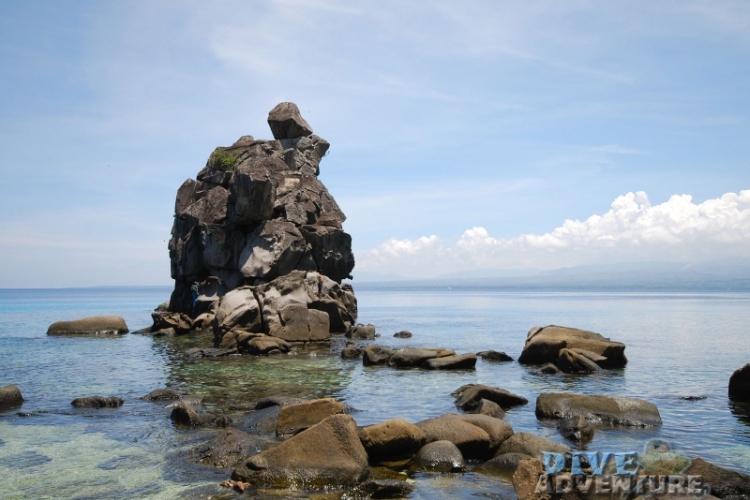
x: 544, y: 345
x: 602, y: 411
x: 91, y: 326
x: 10, y: 397
x: 328, y: 454
x: 739, y: 384
x: 257, y: 213
x: 97, y: 402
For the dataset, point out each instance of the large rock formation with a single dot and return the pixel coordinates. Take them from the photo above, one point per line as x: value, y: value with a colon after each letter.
x: 257, y: 214
x: 580, y: 350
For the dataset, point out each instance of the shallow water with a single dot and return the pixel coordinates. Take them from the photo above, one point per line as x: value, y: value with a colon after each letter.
x: 678, y: 345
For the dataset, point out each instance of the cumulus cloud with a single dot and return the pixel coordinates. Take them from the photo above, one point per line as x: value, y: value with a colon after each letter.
x: 632, y: 230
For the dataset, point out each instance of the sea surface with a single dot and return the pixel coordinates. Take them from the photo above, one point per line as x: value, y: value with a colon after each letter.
x: 679, y: 346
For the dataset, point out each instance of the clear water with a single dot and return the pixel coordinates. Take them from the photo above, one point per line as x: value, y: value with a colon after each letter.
x: 678, y: 345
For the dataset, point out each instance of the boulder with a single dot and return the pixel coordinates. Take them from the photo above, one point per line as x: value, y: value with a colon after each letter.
x: 504, y: 465
x: 468, y: 398
x: 185, y: 413
x: 403, y: 334
x: 97, y: 402
x: 266, y: 345
x: 570, y: 361
x: 529, y: 444
x: 723, y: 482
x: 494, y: 356
x: 298, y: 417
x: 162, y: 395
x: 526, y: 478
x: 498, y: 430
x: 180, y: 323
x: 543, y: 345
x: 328, y: 454
x: 361, y: 332
x: 739, y: 384
x: 458, y: 362
x: 411, y: 357
x: 472, y: 440
x: 489, y: 408
x: 10, y: 397
x: 392, y: 440
x: 549, y: 369
x: 376, y: 355
x: 275, y: 249
x: 602, y: 411
x: 576, y: 429
x: 351, y: 352
x: 439, y: 456
x: 92, y: 326
x: 228, y: 449
x: 286, y: 122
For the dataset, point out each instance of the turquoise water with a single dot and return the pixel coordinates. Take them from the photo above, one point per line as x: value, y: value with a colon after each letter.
x: 678, y: 345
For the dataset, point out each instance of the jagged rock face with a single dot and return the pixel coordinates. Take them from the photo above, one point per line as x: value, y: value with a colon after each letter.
x: 257, y: 212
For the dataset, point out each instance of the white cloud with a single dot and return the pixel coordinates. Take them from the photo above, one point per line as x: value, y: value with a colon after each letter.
x: 632, y: 230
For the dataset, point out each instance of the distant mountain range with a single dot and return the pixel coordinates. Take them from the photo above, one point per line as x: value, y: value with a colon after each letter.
x: 731, y: 274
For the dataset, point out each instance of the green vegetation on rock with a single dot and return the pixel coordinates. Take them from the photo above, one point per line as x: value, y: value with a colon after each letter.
x: 223, y: 159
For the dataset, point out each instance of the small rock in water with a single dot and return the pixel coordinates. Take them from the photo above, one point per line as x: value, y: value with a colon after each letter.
x: 489, y: 408
x: 576, y: 429
x: 439, y: 456
x: 549, y: 369
x: 10, y: 397
x: 693, y: 398
x: 97, y: 402
x: 351, y: 352
x: 403, y: 334
x: 494, y: 356
x: 361, y: 332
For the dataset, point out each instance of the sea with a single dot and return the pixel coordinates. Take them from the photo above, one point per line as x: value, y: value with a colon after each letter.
x: 682, y: 349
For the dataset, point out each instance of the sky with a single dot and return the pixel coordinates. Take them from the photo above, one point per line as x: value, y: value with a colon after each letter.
x: 464, y: 136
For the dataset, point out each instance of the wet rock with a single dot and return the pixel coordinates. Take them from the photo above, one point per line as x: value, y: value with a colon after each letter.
x: 723, y: 482
x: 659, y: 459
x: 392, y: 440
x: 472, y: 440
x: 286, y: 122
x: 468, y: 398
x: 439, y: 456
x: 376, y: 355
x: 328, y: 454
x: 739, y: 384
x: 458, y: 362
x: 385, y: 488
x: 91, y: 326
x: 161, y: 395
x: 489, y: 408
x: 576, y: 429
x: 543, y: 345
x: 549, y: 369
x: 570, y: 361
x: 181, y: 324
x: 210, y: 352
x: 494, y: 356
x: 298, y: 417
x: 529, y: 444
x: 403, y: 334
x: 361, y: 332
x: 497, y: 430
x: 185, y: 414
x: 10, y: 397
x: 411, y: 357
x: 265, y: 345
x: 602, y: 411
x: 526, y: 478
x: 505, y: 465
x: 279, y: 401
x: 228, y: 449
x: 351, y: 352
x: 97, y: 402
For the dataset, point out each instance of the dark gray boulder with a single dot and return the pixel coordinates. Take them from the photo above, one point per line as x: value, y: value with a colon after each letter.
x: 468, y: 397
x: 739, y: 384
x: 494, y: 356
x: 328, y: 454
x: 602, y: 411
x: 97, y: 402
x: 439, y: 456
x: 10, y: 397
x: 413, y: 357
x: 543, y: 345
x: 458, y: 362
x: 549, y: 369
x: 91, y: 326
x: 351, y: 352
x: 286, y: 122
x: 403, y: 334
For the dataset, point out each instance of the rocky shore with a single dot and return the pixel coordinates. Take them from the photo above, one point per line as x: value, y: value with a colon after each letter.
x: 258, y: 255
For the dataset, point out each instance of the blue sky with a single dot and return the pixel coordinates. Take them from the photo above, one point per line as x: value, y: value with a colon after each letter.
x: 463, y: 135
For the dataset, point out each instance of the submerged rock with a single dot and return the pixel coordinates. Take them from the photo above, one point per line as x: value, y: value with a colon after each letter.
x: 392, y: 440
x: 739, y: 384
x: 279, y: 401
x: 97, y: 402
x: 162, y: 395
x: 403, y: 334
x: 439, y: 456
x: 543, y: 345
x: 576, y: 429
x: 228, y: 449
x: 298, y: 417
x: 10, y: 397
x: 92, y: 326
x: 328, y: 454
x: 385, y: 488
x: 603, y: 411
